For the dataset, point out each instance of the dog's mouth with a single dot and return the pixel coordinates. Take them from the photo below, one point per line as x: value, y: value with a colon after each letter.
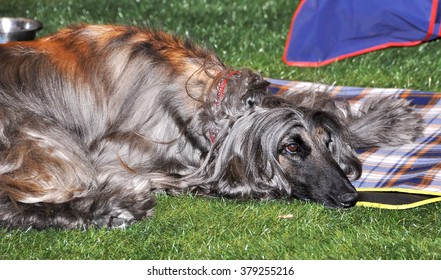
x: 348, y: 200
x: 342, y: 201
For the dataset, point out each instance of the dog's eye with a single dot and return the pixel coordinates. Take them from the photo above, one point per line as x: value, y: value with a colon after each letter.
x: 292, y: 148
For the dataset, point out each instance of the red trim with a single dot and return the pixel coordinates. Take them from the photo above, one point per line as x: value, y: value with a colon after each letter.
x: 363, y: 51
x: 432, y: 20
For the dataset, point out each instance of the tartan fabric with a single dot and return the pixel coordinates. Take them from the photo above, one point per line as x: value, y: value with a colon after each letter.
x: 414, y: 166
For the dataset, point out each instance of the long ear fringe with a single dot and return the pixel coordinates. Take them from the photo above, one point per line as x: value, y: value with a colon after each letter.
x: 242, y: 163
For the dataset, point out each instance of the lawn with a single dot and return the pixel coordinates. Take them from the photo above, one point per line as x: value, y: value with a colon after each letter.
x: 251, y: 34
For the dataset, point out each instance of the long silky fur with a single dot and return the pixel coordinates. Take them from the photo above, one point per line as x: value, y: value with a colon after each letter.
x: 97, y: 118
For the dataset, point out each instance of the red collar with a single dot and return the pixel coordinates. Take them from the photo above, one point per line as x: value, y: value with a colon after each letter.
x: 220, y: 94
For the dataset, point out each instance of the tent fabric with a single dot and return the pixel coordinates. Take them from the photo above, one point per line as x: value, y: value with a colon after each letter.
x: 413, y: 168
x: 325, y: 31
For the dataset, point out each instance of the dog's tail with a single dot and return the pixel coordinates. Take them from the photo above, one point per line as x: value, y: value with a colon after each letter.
x: 384, y: 121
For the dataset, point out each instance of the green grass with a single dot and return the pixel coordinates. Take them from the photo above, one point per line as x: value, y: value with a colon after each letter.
x: 252, y: 34
x: 195, y: 228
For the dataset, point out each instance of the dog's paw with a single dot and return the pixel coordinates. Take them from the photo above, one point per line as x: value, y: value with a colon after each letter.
x: 117, y: 218
x: 124, y: 212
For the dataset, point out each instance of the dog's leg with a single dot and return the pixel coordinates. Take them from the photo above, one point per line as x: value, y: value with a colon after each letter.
x: 121, y: 199
x: 47, y: 180
x: 42, y: 170
x: 385, y: 121
x: 124, y: 195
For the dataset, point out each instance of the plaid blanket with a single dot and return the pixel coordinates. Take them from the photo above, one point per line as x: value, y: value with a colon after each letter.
x: 415, y: 167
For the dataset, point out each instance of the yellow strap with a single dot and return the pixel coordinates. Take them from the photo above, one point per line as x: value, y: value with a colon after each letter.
x: 437, y: 198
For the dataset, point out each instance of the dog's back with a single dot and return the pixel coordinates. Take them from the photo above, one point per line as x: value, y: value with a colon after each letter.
x: 108, y: 71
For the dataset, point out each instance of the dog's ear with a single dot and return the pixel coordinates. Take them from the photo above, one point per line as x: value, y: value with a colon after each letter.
x: 339, y: 143
x: 242, y: 163
x: 239, y: 180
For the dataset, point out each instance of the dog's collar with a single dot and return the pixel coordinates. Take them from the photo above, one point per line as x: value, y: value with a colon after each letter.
x: 220, y: 88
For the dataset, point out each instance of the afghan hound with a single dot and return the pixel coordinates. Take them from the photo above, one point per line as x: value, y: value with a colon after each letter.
x: 95, y: 119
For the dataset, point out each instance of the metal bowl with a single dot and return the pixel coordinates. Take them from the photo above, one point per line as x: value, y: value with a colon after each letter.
x: 18, y: 29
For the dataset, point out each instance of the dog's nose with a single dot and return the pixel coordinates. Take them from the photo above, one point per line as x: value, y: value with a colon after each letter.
x: 348, y: 199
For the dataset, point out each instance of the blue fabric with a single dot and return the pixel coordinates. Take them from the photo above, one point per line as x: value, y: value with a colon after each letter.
x: 324, y: 31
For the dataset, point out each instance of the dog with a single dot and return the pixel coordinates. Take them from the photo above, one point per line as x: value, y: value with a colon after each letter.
x: 96, y: 119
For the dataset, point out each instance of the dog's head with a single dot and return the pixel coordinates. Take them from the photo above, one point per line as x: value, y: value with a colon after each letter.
x: 276, y: 150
